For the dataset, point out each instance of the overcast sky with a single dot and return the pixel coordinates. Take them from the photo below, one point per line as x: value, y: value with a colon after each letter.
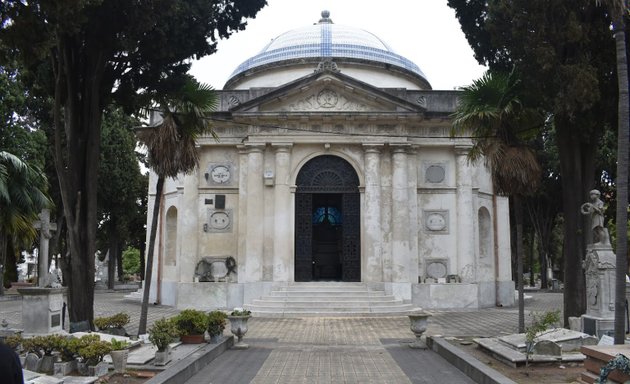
x: 426, y: 32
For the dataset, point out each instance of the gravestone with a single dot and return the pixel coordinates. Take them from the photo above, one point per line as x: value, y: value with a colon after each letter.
x: 599, y: 266
x: 41, y: 310
x: 32, y: 362
x: 45, y: 228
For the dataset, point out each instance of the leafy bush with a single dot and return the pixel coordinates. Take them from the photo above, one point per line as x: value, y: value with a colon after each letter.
x: 191, y: 322
x: 216, y: 322
x: 94, y: 352
x: 131, y: 261
x: 14, y: 342
x: 241, y: 312
x: 43, y: 345
x: 162, y: 333
x: 118, y: 345
x: 118, y: 320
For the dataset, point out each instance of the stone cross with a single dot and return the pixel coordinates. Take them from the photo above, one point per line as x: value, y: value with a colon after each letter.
x: 45, y: 228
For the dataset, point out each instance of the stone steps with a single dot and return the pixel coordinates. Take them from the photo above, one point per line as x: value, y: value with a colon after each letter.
x: 328, y: 299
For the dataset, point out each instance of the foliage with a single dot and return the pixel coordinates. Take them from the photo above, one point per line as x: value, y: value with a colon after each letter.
x: 43, y: 345
x: 216, y: 322
x: 240, y: 312
x: 540, y: 323
x: 22, y: 196
x: 566, y: 65
x: 118, y: 345
x: 94, y: 352
x: 84, y: 54
x: 191, y: 322
x: 171, y: 150
x: 162, y: 333
x: 131, y: 260
x: 118, y: 320
x: 14, y: 342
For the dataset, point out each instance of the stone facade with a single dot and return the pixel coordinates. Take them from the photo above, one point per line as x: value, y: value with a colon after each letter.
x: 429, y: 228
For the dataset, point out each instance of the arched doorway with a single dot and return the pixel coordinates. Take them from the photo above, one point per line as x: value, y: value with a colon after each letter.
x: 327, y: 221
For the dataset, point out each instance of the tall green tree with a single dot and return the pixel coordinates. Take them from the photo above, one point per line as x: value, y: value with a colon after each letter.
x: 619, y: 12
x: 491, y: 110
x: 83, y: 54
x: 564, y: 53
x: 172, y: 151
x: 121, y: 189
x: 22, y: 197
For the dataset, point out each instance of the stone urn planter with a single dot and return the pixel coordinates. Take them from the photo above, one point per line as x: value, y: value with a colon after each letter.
x: 162, y: 357
x: 238, y: 326
x: 418, y: 324
x: 119, y: 360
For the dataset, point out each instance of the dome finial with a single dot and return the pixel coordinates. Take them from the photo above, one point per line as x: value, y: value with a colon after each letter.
x: 325, y: 18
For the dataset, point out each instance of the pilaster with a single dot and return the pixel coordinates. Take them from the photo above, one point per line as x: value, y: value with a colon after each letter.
x: 283, y: 207
x: 373, y: 265
x: 401, y: 259
x: 465, y: 216
x: 254, y: 240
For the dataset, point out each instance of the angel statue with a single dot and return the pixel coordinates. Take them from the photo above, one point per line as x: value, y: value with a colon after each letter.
x: 595, y: 208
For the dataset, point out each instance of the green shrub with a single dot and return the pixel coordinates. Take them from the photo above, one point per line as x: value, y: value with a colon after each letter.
x: 191, y: 322
x: 162, y: 333
x: 94, y: 352
x: 118, y: 320
x: 131, y: 261
x: 14, y: 342
x: 118, y: 345
x: 241, y: 312
x: 43, y: 345
x: 216, y: 322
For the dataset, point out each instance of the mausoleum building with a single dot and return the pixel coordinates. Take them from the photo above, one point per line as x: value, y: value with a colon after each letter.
x: 334, y: 164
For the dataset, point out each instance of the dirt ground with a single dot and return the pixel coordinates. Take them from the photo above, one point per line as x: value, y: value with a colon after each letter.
x: 131, y: 377
x: 556, y: 373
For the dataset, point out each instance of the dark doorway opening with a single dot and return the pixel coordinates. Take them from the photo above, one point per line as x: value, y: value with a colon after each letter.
x: 327, y: 221
x: 327, y: 236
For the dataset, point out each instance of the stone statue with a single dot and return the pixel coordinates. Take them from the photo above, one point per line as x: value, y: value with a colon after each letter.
x: 595, y: 208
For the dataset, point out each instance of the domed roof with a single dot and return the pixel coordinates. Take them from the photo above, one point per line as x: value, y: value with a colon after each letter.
x: 327, y: 40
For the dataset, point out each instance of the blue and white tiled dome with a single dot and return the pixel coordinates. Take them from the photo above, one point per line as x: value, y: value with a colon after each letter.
x: 327, y: 40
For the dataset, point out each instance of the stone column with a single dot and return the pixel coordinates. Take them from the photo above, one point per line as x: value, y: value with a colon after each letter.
x: 373, y: 265
x: 282, y: 255
x: 400, y: 216
x: 189, y: 228
x: 242, y: 214
x: 254, y: 238
x: 412, y: 169
x: 465, y: 216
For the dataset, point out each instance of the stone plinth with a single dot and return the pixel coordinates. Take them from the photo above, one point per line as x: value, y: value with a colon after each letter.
x: 41, y: 309
x: 599, y: 266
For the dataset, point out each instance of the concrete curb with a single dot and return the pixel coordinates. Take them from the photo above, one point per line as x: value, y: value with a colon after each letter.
x: 471, y: 367
x: 186, y: 368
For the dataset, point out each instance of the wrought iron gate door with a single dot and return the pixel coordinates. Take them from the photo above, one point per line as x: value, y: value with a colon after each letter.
x: 327, y: 174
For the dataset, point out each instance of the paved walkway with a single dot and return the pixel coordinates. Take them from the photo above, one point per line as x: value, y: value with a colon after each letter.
x: 331, y: 350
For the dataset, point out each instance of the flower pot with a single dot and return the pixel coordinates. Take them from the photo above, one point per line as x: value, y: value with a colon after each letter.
x: 215, y: 339
x: 119, y: 360
x: 238, y: 327
x: 162, y: 357
x: 48, y: 364
x: 418, y: 325
x: 192, y: 339
x: 82, y: 368
x: 98, y: 370
x: 65, y: 368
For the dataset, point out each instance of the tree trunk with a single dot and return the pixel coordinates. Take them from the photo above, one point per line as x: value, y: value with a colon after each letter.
x: 142, y: 327
x: 113, y: 259
x: 119, y: 263
x: 532, y: 250
x: 577, y: 170
x: 520, y: 255
x: 76, y: 157
x: 622, y: 184
x: 3, y: 260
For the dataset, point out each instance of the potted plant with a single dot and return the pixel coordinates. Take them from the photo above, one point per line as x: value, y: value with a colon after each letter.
x: 161, y: 334
x: 119, y: 355
x: 113, y: 325
x: 216, y: 325
x: 43, y: 347
x: 91, y: 355
x: 192, y: 325
x: 238, y: 325
x: 67, y: 353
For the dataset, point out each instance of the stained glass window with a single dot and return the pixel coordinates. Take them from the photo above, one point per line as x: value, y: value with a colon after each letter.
x: 327, y: 214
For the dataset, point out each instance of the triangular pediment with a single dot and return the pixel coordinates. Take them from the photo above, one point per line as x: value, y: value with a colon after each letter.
x: 327, y: 92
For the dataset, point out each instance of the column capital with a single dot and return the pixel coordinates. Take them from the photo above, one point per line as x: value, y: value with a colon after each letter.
x: 373, y: 147
x: 462, y: 150
x: 282, y: 147
x: 255, y: 147
x: 400, y: 148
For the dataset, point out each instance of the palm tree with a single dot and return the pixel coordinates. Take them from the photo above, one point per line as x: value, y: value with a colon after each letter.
x: 491, y: 110
x: 619, y: 11
x: 171, y: 151
x: 22, y: 197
